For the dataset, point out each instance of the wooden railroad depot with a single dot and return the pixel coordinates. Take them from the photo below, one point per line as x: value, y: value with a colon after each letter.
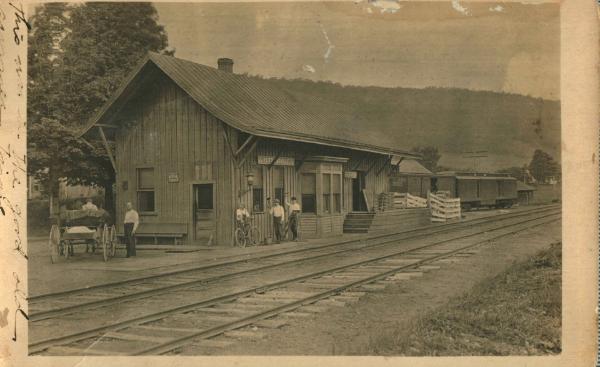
x: 189, y: 141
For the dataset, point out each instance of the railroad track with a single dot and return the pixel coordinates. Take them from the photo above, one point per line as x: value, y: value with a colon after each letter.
x: 234, y: 307
x: 67, y: 302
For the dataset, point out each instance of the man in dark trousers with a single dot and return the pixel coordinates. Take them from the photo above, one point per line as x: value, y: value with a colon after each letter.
x: 278, y: 214
x: 293, y: 216
x: 131, y: 223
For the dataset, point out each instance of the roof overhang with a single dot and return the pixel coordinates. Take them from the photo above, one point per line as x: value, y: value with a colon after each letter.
x: 121, y: 96
x: 137, y: 77
x: 321, y: 158
x: 413, y: 174
x: 323, y: 141
x: 493, y: 178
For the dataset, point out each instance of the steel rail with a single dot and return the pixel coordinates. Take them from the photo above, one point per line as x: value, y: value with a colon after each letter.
x: 426, y: 228
x: 217, y: 330
x: 44, y: 344
x: 46, y: 314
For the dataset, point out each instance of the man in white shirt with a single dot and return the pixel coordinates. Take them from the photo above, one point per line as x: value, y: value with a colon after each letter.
x: 278, y: 214
x: 293, y: 216
x: 131, y: 223
x: 89, y: 205
x: 241, y: 216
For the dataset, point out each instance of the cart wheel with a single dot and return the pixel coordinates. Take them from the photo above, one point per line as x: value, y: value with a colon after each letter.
x: 104, y: 242
x: 67, y: 249
x: 254, y: 236
x: 240, y: 238
x: 53, y: 243
x: 113, y: 241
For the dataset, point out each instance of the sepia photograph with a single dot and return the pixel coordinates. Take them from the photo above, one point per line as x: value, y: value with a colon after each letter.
x: 361, y: 178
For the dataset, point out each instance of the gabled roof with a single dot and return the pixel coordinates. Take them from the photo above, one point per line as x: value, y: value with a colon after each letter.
x: 476, y: 175
x: 256, y: 107
x: 491, y: 177
x: 411, y: 166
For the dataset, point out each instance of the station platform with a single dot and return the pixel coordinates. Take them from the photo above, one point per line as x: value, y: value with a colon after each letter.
x: 84, y: 269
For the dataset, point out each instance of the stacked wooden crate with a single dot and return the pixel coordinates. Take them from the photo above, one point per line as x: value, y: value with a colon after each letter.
x: 442, y: 194
x: 443, y: 208
x: 415, y: 201
x: 399, y: 200
x: 406, y: 200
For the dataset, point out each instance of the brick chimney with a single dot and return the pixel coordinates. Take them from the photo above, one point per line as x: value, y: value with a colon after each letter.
x: 225, y: 64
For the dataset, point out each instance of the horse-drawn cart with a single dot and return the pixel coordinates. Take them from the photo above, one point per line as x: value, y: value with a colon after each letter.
x: 82, y: 227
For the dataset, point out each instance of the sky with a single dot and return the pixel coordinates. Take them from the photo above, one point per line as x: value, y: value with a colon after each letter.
x: 509, y: 47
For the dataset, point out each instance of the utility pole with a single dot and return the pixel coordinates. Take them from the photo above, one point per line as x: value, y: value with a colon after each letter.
x: 475, y: 155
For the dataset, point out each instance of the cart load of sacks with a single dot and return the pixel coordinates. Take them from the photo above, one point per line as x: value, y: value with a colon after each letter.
x: 87, y: 228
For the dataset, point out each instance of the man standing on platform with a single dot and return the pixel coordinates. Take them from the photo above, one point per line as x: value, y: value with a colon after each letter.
x: 293, y: 216
x: 241, y: 216
x: 131, y: 222
x: 278, y: 216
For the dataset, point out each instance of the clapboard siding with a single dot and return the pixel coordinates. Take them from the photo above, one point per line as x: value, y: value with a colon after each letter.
x: 171, y: 133
x: 262, y: 220
x: 167, y: 130
x: 358, y: 161
x: 374, y: 183
x: 337, y: 224
x: 331, y: 225
x: 311, y: 225
x: 347, y: 194
x: 308, y: 225
x: 325, y: 224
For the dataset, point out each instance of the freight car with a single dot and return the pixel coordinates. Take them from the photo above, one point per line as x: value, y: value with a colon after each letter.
x: 475, y: 190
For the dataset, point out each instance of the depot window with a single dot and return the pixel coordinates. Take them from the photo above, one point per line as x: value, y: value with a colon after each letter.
x: 336, y: 189
x: 145, y: 190
x: 258, y: 191
x: 309, y: 193
x: 321, y: 185
x: 326, y: 193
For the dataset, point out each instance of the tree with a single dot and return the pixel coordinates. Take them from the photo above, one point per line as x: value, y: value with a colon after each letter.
x: 43, y: 58
x: 431, y: 156
x: 106, y: 41
x: 543, y: 166
x: 79, y: 55
x: 53, y: 152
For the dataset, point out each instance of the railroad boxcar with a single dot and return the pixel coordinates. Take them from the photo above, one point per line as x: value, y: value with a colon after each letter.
x: 478, y: 189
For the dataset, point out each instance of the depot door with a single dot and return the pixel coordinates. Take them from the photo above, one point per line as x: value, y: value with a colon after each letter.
x: 204, y: 211
x: 358, y: 198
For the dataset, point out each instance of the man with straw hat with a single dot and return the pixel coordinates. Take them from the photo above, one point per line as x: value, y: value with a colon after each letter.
x: 278, y: 213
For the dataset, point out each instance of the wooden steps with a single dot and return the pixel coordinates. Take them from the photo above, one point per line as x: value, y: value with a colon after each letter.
x: 397, y: 219
x: 358, y: 222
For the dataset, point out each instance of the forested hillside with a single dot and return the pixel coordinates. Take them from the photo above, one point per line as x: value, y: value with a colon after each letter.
x: 509, y: 126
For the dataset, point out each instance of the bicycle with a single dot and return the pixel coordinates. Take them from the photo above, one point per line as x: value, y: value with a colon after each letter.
x: 246, y: 234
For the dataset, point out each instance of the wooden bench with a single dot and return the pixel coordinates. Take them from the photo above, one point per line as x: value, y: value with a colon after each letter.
x: 176, y: 231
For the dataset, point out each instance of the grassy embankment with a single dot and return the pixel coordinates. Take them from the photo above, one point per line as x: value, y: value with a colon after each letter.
x: 515, y: 313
